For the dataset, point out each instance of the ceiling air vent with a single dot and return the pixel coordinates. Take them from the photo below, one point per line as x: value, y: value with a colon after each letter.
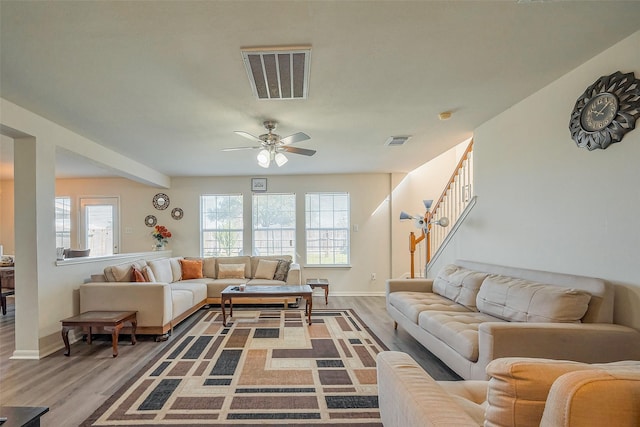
x: 395, y: 141
x: 278, y: 72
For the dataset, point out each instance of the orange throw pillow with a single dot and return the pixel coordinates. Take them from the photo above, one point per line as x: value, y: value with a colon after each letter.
x: 191, y: 269
x: 137, y: 275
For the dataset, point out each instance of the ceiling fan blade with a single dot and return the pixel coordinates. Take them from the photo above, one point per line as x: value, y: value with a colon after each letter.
x: 296, y: 150
x: 247, y: 135
x: 241, y: 148
x: 296, y: 137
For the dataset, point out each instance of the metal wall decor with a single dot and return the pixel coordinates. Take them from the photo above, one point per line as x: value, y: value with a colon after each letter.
x: 177, y: 213
x: 606, y: 111
x: 161, y: 201
x: 150, y: 220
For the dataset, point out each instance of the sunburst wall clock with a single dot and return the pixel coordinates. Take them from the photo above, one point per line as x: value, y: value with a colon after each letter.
x: 606, y: 111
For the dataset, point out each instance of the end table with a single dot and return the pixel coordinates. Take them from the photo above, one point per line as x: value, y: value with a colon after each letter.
x: 320, y: 283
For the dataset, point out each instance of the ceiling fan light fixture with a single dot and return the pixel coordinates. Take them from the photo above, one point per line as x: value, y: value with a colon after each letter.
x: 280, y: 159
x: 264, y: 158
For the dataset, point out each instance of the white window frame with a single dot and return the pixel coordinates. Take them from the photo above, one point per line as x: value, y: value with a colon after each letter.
x: 114, y: 202
x: 63, y: 221
x: 313, y: 223
x: 256, y: 201
x: 229, y: 229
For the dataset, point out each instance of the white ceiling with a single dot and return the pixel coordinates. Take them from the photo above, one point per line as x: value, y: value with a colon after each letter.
x: 163, y: 82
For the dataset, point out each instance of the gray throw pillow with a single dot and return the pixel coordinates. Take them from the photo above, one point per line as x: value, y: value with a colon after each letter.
x: 282, y: 270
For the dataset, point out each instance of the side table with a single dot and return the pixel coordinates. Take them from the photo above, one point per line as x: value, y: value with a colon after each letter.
x: 90, y: 319
x: 320, y: 283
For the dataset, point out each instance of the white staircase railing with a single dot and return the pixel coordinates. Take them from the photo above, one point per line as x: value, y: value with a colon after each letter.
x: 455, y: 198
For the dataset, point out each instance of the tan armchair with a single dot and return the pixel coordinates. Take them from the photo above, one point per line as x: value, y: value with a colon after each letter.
x: 521, y: 392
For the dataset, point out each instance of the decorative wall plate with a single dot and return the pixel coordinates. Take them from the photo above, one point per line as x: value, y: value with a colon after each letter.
x: 150, y: 220
x: 161, y: 201
x: 606, y: 111
x: 177, y: 213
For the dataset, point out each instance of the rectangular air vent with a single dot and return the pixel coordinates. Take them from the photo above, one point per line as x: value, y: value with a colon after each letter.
x: 278, y: 72
x: 395, y: 141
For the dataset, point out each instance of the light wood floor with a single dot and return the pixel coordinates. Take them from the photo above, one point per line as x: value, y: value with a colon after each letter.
x: 73, y: 387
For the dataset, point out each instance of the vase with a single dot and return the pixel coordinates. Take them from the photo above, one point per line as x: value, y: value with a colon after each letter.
x: 158, y: 247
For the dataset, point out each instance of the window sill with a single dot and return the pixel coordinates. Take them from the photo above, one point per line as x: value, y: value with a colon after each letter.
x: 326, y: 266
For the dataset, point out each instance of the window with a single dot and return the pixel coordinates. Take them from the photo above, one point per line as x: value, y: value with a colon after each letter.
x: 63, y: 222
x: 327, y: 228
x: 221, y: 224
x: 100, y: 225
x: 274, y: 224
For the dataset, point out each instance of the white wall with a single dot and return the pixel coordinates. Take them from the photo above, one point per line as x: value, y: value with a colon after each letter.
x: 544, y: 203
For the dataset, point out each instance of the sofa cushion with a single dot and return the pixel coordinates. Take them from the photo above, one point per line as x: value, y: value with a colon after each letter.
x: 191, y: 269
x: 526, y: 301
x: 282, y: 270
x: 458, y: 330
x: 176, y: 269
x: 197, y: 289
x: 137, y: 275
x: 161, y: 269
x: 518, y: 389
x: 181, y: 301
x: 255, y: 260
x: 266, y: 269
x: 411, y: 304
x: 231, y: 271
x: 122, y: 272
x: 459, y: 284
x: 148, y: 274
x: 234, y: 260
x: 209, y: 267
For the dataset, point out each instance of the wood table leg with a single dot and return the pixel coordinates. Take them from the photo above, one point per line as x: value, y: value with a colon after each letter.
x: 223, y: 302
x: 309, y: 300
x: 65, y: 339
x: 134, y: 325
x: 326, y: 295
x: 114, y: 338
x: 3, y: 303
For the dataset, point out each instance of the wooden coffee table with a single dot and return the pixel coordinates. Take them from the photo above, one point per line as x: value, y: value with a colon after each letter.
x: 91, y: 319
x: 232, y: 292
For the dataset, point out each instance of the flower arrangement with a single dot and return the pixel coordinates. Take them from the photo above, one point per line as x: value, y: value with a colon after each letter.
x: 161, y: 235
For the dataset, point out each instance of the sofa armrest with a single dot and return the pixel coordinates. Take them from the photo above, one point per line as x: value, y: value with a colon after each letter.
x: 411, y: 285
x: 294, y: 277
x: 409, y: 397
x: 152, y: 301
x: 593, y: 397
x: 581, y: 342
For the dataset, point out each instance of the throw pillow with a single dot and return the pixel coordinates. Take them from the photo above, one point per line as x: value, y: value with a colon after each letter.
x: 191, y: 268
x: 136, y: 275
x: 266, y: 269
x: 282, y: 270
x: 231, y: 271
x: 148, y: 274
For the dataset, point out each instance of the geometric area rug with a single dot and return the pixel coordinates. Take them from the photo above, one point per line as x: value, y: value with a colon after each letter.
x: 267, y: 367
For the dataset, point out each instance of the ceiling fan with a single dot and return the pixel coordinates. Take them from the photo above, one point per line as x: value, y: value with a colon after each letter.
x: 272, y: 147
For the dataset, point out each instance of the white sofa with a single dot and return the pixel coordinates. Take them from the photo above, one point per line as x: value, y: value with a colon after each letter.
x: 472, y: 313
x: 521, y: 392
x: 169, y: 289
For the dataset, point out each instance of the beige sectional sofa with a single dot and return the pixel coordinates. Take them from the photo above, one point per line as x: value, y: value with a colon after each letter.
x: 168, y: 290
x: 521, y: 392
x: 472, y: 313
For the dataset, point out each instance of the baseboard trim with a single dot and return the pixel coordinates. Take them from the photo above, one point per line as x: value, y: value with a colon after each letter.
x: 25, y: 355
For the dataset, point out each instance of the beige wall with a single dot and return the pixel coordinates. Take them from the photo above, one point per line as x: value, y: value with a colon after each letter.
x: 370, y: 245
x: 544, y: 203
